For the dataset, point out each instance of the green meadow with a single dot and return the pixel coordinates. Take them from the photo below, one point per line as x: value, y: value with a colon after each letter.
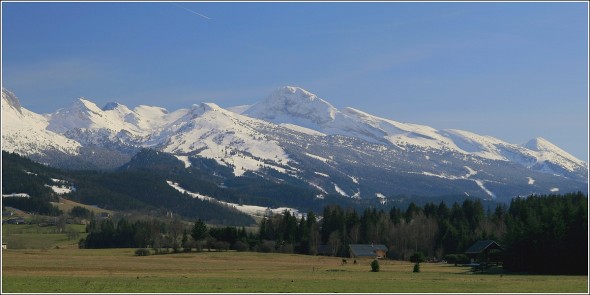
x: 32, y: 236
x: 73, y: 270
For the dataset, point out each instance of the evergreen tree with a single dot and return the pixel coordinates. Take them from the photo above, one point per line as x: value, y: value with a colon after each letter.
x: 199, y: 231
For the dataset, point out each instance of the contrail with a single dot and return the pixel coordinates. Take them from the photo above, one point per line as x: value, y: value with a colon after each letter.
x: 193, y: 12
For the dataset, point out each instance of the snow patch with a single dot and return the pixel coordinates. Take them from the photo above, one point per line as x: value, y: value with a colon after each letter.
x: 340, y: 191
x: 554, y: 189
x: 470, y: 172
x: 531, y: 181
x: 480, y: 183
x: 248, y: 209
x: 383, y: 198
x: 183, y: 191
x: 318, y: 187
x: 185, y: 160
x: 16, y: 195
x: 321, y: 174
x: 60, y: 190
x: 354, y: 179
x: 436, y: 175
x: 317, y: 157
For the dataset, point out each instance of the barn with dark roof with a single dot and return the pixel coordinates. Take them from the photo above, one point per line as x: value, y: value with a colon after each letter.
x: 365, y: 250
x: 481, y: 250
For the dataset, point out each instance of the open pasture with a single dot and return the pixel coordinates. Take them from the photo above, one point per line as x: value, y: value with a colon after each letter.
x: 118, y: 270
x: 32, y: 236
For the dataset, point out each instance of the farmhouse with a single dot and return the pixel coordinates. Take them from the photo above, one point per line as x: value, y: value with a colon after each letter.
x: 15, y: 220
x: 484, y: 251
x: 372, y: 251
x: 103, y: 215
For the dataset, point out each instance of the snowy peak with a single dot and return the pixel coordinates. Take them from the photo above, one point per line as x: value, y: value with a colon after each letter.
x: 82, y: 113
x: 210, y: 131
x: 293, y: 104
x: 121, y: 111
x: 550, y: 152
x: 540, y: 144
x: 290, y: 106
x: 25, y: 132
x: 11, y: 100
x: 84, y: 105
x: 294, y: 94
x: 204, y: 107
x: 199, y: 110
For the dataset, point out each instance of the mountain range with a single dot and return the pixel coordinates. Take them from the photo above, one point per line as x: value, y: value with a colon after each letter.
x: 294, y: 136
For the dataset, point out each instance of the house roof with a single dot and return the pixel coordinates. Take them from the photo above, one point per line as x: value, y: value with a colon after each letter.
x: 366, y: 250
x: 481, y: 246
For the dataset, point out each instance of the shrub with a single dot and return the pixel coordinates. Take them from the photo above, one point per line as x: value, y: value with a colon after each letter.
x: 451, y: 258
x: 375, y: 266
x: 82, y: 243
x: 267, y: 246
x: 417, y: 267
x: 241, y: 246
x: 221, y: 245
x: 417, y: 257
x: 142, y: 252
x: 80, y: 212
x: 456, y: 259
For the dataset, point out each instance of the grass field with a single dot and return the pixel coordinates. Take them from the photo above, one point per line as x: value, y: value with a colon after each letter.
x: 67, y: 205
x: 32, y: 236
x: 118, y: 270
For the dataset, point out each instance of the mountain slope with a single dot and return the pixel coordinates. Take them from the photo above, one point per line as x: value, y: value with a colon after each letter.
x: 231, y: 139
x: 26, y: 133
x: 294, y: 137
x: 139, y: 190
x: 293, y: 105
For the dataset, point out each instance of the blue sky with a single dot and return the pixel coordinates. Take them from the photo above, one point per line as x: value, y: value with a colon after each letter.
x: 514, y: 71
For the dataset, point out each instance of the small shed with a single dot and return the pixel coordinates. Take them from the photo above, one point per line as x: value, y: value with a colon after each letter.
x: 365, y: 250
x: 480, y: 251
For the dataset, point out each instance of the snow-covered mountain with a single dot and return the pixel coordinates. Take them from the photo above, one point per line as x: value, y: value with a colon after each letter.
x: 290, y: 106
x: 231, y: 139
x: 26, y: 133
x: 296, y: 134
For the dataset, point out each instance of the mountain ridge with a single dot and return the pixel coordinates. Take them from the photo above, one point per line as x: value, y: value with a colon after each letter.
x: 299, y: 135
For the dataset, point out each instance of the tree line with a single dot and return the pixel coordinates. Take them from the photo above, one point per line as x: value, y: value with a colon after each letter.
x: 539, y: 234
x: 434, y: 230
x: 548, y: 234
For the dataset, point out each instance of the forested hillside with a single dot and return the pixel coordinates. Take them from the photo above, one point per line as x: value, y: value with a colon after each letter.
x: 127, y: 189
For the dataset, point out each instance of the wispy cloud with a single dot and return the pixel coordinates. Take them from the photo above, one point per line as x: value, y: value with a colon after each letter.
x: 193, y: 12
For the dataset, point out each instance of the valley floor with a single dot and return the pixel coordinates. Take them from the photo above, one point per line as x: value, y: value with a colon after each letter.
x: 118, y: 270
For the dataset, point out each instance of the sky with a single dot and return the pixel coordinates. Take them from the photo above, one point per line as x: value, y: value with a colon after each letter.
x: 511, y: 70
